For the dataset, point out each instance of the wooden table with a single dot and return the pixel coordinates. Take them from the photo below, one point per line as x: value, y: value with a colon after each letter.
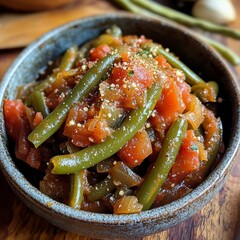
x: 219, y: 219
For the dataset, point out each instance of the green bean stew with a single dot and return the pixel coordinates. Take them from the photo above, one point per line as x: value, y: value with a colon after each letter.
x: 119, y: 126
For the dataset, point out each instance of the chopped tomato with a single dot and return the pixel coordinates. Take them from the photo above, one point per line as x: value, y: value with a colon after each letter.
x: 170, y: 104
x: 37, y: 119
x: 134, y: 40
x: 187, y: 159
x: 167, y: 108
x: 185, y: 89
x: 82, y: 128
x: 136, y: 150
x: 125, y: 56
x: 131, y: 79
x: 162, y: 62
x: 18, y: 127
x: 99, y: 52
x: 98, y: 128
x: 211, y: 130
x: 14, y: 112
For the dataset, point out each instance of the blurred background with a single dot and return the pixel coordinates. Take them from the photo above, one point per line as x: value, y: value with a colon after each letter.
x: 23, y: 21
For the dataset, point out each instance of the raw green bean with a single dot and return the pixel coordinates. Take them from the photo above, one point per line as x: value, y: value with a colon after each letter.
x: 128, y: 5
x: 191, y: 77
x: 101, y: 189
x: 187, y: 20
x: 56, y: 118
x: 226, y: 52
x: 76, y: 190
x: 39, y: 103
x: 94, y: 154
x: 67, y: 62
x: 165, y: 160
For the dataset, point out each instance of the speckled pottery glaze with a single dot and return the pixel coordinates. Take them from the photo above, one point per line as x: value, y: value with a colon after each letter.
x: 194, y: 53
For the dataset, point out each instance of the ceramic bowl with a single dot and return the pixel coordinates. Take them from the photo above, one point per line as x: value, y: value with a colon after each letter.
x: 202, y: 59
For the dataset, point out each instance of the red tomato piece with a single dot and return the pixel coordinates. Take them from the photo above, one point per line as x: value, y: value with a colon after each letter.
x: 187, y: 159
x: 14, y: 111
x: 170, y: 104
x: 37, y: 119
x: 162, y: 62
x: 136, y: 150
x: 99, y: 52
x: 185, y: 89
x: 98, y: 129
x: 132, y: 79
x: 18, y: 128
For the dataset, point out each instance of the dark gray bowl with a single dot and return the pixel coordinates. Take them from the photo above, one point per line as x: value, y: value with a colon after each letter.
x: 194, y: 53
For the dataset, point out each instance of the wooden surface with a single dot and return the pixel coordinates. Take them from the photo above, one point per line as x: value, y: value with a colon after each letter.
x: 219, y: 219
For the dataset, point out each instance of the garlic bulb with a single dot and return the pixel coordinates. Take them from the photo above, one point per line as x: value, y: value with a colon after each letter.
x: 218, y: 11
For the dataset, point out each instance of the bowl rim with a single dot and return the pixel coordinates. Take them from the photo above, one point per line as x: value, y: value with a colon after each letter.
x: 163, y: 212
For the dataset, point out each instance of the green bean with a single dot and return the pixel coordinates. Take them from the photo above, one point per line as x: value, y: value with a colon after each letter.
x: 39, y: 103
x: 94, y: 154
x: 191, y: 77
x: 128, y: 5
x: 76, y: 190
x: 187, y: 20
x: 66, y: 63
x: 149, y: 189
x: 226, y: 52
x: 101, y: 189
x: 85, y: 48
x: 56, y: 118
x: 114, y: 31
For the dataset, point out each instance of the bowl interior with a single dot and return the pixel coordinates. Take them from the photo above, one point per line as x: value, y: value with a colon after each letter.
x: 203, y: 60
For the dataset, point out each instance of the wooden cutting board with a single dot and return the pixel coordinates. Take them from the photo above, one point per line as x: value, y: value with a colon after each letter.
x: 20, y: 29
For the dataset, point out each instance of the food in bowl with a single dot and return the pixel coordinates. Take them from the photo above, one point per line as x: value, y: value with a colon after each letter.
x: 119, y: 125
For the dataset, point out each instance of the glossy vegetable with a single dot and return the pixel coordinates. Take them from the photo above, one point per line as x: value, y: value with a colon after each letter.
x: 187, y: 20
x: 226, y: 52
x: 192, y: 78
x: 187, y: 159
x: 54, y: 120
x: 76, y: 190
x: 117, y: 138
x: 92, y: 155
x: 213, y: 136
x: 136, y: 150
x: 159, y: 172
x: 127, y: 205
x: 121, y: 174
x: 39, y: 103
x: 101, y: 189
x: 66, y: 63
